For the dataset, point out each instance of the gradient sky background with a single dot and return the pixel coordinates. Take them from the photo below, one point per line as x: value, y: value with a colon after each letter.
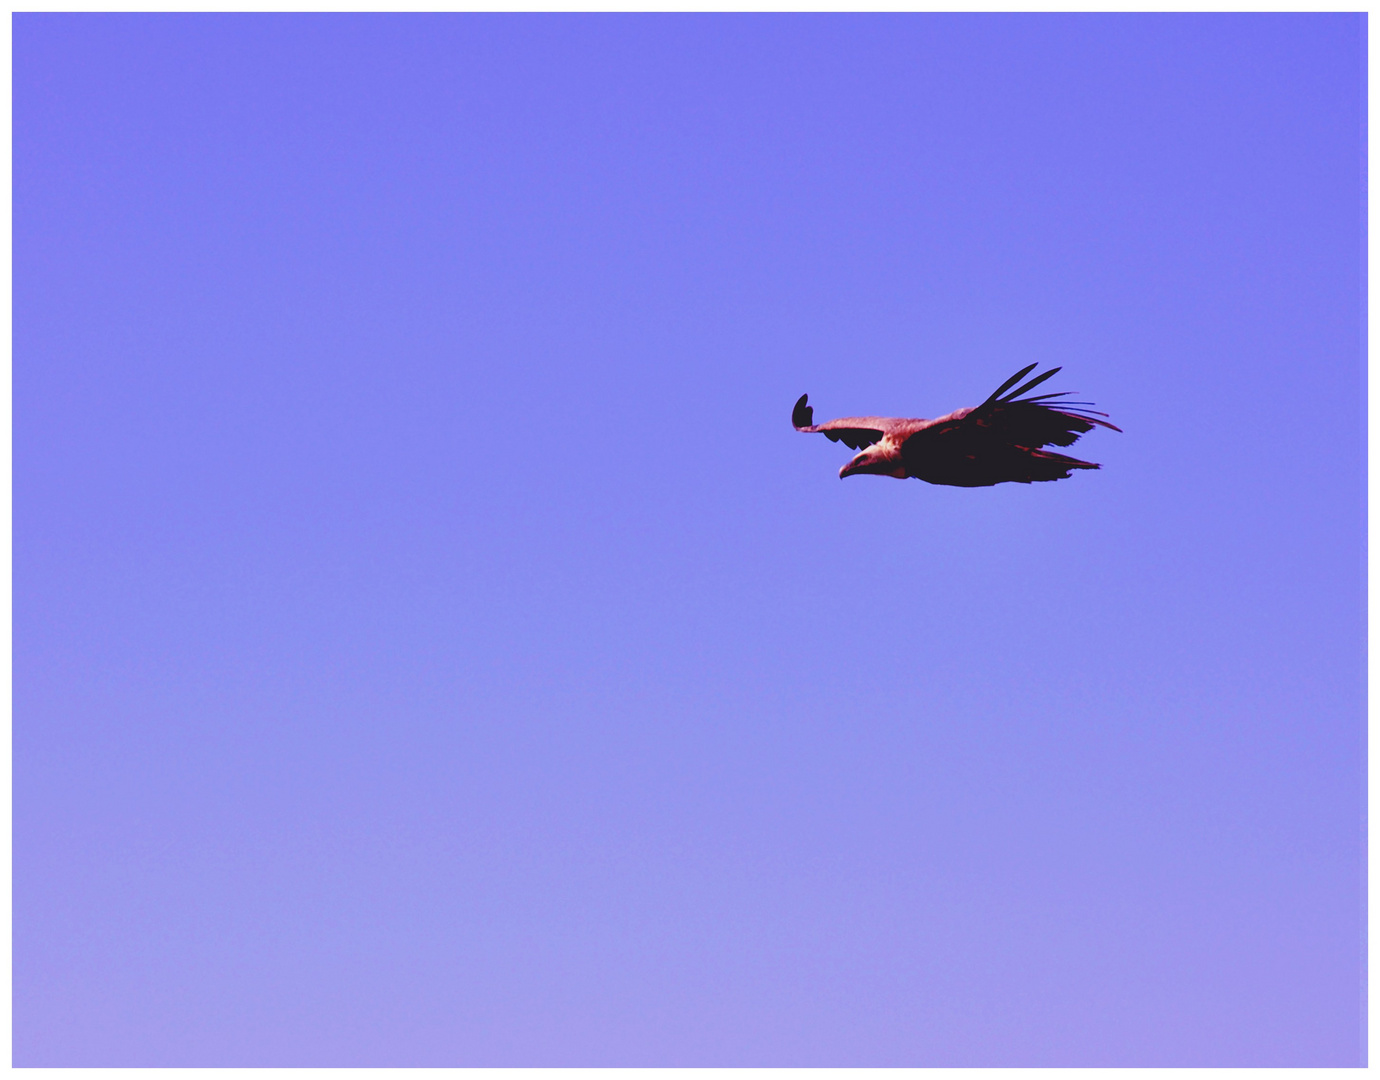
x: 433, y: 646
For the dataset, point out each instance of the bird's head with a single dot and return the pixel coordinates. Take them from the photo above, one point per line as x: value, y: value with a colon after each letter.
x: 881, y: 459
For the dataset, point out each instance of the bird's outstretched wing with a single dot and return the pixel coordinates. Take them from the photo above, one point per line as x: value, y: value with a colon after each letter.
x: 1008, y: 419
x: 1046, y: 417
x: 1001, y: 439
x: 854, y: 432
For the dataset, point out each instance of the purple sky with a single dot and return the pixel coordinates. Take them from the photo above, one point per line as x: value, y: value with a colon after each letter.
x: 433, y: 646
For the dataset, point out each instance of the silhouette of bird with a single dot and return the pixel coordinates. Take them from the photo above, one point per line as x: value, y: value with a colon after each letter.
x: 997, y: 442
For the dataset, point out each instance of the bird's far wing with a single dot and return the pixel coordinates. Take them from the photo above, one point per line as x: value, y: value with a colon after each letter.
x: 1012, y: 420
x: 855, y: 432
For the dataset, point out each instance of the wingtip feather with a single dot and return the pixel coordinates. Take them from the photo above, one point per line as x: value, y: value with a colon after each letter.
x: 1032, y: 384
x: 1011, y: 382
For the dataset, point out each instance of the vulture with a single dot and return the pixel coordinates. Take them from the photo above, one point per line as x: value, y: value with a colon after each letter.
x: 997, y: 442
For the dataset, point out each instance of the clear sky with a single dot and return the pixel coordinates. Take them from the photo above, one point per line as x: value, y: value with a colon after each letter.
x: 433, y: 646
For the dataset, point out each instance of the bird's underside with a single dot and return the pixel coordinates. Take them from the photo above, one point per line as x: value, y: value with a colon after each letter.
x: 1002, y: 440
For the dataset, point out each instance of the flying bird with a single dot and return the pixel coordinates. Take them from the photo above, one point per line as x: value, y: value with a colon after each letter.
x: 997, y: 442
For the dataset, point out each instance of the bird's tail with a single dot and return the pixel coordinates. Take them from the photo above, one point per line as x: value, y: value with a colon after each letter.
x: 1046, y: 465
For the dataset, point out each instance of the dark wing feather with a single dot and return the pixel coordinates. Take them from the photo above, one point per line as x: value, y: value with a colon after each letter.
x: 853, y: 438
x: 1004, y: 387
x: 1032, y: 383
